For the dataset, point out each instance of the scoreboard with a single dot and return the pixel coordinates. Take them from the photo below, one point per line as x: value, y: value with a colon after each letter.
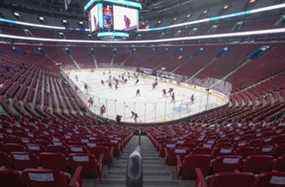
x: 113, y: 18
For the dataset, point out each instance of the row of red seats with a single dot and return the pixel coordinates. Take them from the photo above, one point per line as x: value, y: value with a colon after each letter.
x: 60, y: 144
x: 255, y: 164
x: 244, y: 114
x: 267, y: 91
x: 39, y: 177
x: 91, y: 165
x: 37, y: 85
x: 238, y: 179
x: 255, y: 147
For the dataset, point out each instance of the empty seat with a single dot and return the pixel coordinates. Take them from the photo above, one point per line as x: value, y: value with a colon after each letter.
x: 3, y: 159
x: 9, y: 177
x: 225, y: 150
x: 172, y: 154
x: 280, y: 150
x: 76, y: 149
x: 258, y: 163
x: 55, y: 161
x: 246, y: 150
x: 89, y: 163
x: 271, y: 179
x: 101, y: 152
x: 186, y: 167
x: 266, y: 150
x: 33, y: 148
x: 204, y: 149
x: 22, y: 160
x: 279, y: 164
x: 231, y: 179
x: 227, y: 163
x: 13, y: 147
x: 56, y: 148
x: 50, y: 178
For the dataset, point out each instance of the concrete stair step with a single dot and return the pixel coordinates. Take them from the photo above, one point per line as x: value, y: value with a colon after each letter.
x: 145, y: 161
x: 147, y: 177
x: 124, y: 157
x: 149, y: 183
x: 154, y: 182
x: 145, y: 172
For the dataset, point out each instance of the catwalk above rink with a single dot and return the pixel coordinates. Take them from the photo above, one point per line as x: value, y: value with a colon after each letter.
x: 151, y: 105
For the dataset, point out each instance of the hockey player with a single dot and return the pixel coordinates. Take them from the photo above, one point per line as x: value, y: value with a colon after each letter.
x: 138, y: 93
x: 164, y: 92
x: 172, y: 97
x: 192, y: 98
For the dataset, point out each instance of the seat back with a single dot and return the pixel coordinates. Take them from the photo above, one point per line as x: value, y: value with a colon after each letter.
x: 258, y: 163
x: 190, y: 162
x: 231, y: 179
x: 4, y: 161
x: 22, y: 160
x: 271, y: 179
x: 10, y: 177
x: 13, y: 147
x: 55, y: 148
x: 226, y: 163
x: 279, y: 164
x: 44, y: 178
x: 55, y: 161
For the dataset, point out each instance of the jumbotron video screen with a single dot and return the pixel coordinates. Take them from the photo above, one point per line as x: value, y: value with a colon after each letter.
x: 113, y: 17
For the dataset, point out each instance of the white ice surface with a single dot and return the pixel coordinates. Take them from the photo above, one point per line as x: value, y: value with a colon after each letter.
x: 151, y: 106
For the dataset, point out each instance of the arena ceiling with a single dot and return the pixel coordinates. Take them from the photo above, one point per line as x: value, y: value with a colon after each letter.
x: 77, y: 5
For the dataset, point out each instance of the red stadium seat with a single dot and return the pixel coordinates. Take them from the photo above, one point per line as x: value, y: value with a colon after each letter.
x: 231, y: 179
x: 258, y: 163
x: 22, y: 160
x: 224, y: 150
x: 89, y: 163
x: 101, y: 151
x: 246, y: 150
x: 55, y: 148
x: 172, y: 154
x: 280, y: 149
x: 226, y: 163
x: 204, y: 149
x: 10, y: 178
x: 76, y: 148
x: 4, y: 161
x: 271, y: 179
x: 33, y: 148
x: 186, y: 167
x: 13, y: 147
x: 279, y: 164
x: 55, y: 161
x: 50, y: 178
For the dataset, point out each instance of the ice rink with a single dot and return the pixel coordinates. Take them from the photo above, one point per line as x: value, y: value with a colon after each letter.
x: 151, y: 105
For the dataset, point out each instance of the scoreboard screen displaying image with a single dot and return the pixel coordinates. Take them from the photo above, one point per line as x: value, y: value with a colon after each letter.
x: 125, y: 18
x: 113, y: 18
x: 108, y: 16
x: 94, y: 19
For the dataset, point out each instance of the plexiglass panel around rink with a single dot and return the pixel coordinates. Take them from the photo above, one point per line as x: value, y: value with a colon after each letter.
x: 166, y: 110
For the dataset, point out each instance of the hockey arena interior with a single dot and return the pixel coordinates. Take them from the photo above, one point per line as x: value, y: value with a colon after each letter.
x: 133, y: 93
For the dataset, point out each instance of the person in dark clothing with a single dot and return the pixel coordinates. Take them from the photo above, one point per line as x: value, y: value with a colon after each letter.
x: 138, y: 93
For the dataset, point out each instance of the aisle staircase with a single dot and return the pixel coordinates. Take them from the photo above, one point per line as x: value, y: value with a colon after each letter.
x: 155, y: 172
